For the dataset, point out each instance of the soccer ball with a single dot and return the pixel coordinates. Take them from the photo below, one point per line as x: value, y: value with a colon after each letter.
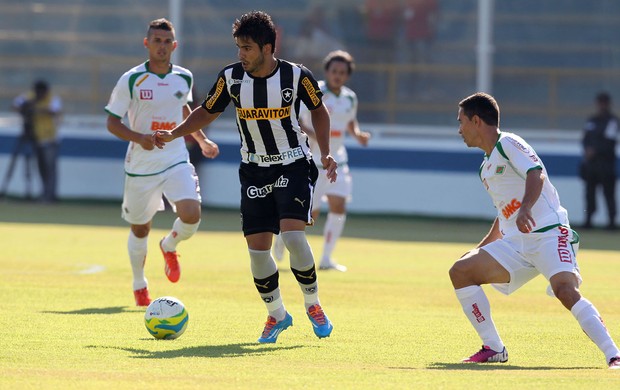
x: 166, y: 318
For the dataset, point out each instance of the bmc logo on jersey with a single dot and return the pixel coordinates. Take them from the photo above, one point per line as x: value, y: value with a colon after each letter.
x: 146, y: 94
x: 162, y: 125
x: 511, y: 208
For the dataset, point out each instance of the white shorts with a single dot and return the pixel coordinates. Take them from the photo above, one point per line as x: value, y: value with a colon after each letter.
x: 143, y: 194
x: 525, y: 256
x: 342, y: 187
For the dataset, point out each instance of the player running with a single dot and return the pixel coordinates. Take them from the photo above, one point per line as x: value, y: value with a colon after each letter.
x: 341, y: 102
x: 530, y: 236
x: 154, y: 95
x: 277, y: 173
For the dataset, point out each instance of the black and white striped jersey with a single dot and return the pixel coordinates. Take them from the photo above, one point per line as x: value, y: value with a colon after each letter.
x: 267, y: 110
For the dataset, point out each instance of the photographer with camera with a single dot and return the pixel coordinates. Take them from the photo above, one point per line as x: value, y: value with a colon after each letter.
x: 40, y: 111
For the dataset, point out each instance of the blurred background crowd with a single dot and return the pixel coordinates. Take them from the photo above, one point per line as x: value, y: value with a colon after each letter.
x: 415, y: 58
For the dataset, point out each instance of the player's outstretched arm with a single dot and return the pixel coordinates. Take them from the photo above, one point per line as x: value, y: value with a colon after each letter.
x: 198, y: 119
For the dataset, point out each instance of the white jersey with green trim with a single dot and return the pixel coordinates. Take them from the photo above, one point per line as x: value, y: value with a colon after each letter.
x: 152, y: 102
x: 342, y: 110
x: 503, y: 175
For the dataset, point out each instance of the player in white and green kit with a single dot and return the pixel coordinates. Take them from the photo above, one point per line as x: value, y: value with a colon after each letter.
x: 154, y: 96
x: 341, y: 102
x: 530, y: 236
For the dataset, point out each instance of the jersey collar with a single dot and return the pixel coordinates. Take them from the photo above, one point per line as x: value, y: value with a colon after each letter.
x: 160, y: 75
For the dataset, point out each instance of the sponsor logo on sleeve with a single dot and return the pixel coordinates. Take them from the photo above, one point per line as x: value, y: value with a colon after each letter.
x: 218, y: 91
x: 311, y: 91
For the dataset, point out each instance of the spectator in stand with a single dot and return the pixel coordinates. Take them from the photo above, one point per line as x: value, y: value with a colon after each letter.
x: 420, y: 20
x: 382, y: 27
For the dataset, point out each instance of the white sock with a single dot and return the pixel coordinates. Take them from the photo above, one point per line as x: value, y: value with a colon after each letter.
x: 137, y: 248
x: 180, y: 231
x: 334, y: 224
x: 478, y: 310
x: 592, y: 324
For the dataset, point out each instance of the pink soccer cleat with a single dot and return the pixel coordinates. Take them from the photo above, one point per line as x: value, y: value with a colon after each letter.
x: 487, y: 355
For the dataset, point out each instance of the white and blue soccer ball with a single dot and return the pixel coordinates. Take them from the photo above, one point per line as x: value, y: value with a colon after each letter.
x: 166, y: 318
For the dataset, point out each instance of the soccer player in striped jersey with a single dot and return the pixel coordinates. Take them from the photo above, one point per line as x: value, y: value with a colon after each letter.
x: 530, y: 236
x: 277, y: 173
x: 155, y: 96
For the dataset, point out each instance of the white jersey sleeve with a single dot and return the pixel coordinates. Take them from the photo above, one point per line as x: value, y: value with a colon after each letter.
x: 118, y: 105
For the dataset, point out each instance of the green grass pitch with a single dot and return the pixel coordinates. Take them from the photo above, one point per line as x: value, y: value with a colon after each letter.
x: 68, y: 319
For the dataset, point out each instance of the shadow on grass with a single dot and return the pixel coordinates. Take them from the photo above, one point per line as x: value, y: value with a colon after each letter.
x: 494, y: 367
x: 206, y: 351
x: 99, y: 310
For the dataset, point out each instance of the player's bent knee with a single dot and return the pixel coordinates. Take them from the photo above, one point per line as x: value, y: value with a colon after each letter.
x: 458, y: 273
x: 140, y: 231
x: 567, y: 293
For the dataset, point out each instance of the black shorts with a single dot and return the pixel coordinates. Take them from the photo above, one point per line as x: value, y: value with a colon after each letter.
x: 269, y: 194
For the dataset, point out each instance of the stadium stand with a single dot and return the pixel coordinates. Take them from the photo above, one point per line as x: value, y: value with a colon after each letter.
x: 550, y: 57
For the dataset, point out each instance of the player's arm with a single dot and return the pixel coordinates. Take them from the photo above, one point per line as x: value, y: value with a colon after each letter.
x: 307, y: 128
x: 533, y: 188
x: 209, y: 148
x: 117, y: 127
x: 361, y: 136
x: 492, y: 235
x: 321, y: 125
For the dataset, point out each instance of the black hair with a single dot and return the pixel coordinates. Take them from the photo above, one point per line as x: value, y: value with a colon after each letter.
x: 160, y: 24
x: 340, y: 56
x: 258, y: 26
x: 483, y: 105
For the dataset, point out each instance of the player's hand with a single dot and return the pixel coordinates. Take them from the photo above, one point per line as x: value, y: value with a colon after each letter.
x: 525, y: 221
x: 209, y: 149
x: 160, y: 138
x: 363, y: 137
x: 147, y: 142
x: 330, y: 165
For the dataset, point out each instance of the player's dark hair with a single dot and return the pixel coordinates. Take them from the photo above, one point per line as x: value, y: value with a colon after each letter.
x: 339, y: 56
x: 258, y: 26
x: 159, y: 24
x: 483, y: 105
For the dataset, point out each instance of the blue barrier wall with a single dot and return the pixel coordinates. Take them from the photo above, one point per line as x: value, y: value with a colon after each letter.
x: 411, y: 171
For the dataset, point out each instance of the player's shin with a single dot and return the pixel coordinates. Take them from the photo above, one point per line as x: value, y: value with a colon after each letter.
x: 266, y: 281
x: 180, y: 231
x: 592, y: 324
x: 476, y: 307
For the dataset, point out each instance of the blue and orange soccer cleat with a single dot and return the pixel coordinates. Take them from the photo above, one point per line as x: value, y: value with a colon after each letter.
x: 487, y: 355
x: 172, y: 268
x: 321, y: 325
x: 273, y: 329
